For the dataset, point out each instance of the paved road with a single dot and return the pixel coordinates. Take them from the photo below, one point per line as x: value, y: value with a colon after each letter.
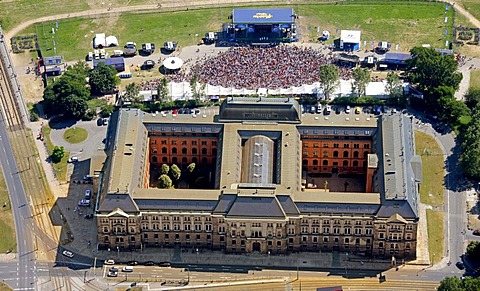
x: 22, y: 215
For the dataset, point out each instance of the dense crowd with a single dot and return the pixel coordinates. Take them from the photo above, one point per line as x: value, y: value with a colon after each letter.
x: 252, y: 68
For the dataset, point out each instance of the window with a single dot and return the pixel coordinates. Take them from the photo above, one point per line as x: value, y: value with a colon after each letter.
x: 204, y: 142
x: 165, y: 160
x: 204, y: 151
x: 174, y: 160
x: 164, y: 150
x: 194, y: 151
x: 154, y: 159
x: 356, y: 146
x: 355, y: 154
x: 335, y: 145
x: 305, y: 162
x: 366, y: 146
x: 335, y: 154
x: 345, y: 163
x: 184, y: 160
x: 315, y: 162
x: 164, y: 142
x: 184, y: 142
x: 194, y: 142
x: 345, y: 154
x: 346, y: 145
x: 184, y: 151
x: 174, y: 142
x: 347, y: 230
x: 214, y: 152
x: 174, y: 150
x: 355, y: 163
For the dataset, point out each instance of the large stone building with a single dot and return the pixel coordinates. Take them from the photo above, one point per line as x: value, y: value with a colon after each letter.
x: 254, y: 156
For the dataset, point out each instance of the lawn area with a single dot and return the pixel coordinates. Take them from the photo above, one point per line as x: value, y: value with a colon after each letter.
x: 7, y: 227
x: 475, y: 79
x: 405, y: 23
x: 435, y: 224
x: 60, y: 167
x: 431, y: 189
x: 75, y: 134
x: 473, y: 6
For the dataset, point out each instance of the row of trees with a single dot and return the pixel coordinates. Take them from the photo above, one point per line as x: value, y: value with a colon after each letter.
x: 68, y: 95
x: 468, y: 283
x: 329, y: 78
x: 171, y: 174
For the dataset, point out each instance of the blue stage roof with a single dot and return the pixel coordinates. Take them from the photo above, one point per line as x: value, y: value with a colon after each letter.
x: 263, y: 15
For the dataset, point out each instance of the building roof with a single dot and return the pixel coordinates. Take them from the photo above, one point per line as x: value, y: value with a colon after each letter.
x: 263, y: 15
x: 241, y: 109
x: 350, y: 36
x: 337, y: 208
x: 252, y: 206
x: 114, y: 201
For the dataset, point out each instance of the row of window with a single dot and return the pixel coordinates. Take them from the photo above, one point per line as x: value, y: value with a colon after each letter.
x: 184, y: 151
x: 184, y: 142
x: 336, y: 145
x: 184, y: 160
x: 336, y: 154
x: 325, y: 163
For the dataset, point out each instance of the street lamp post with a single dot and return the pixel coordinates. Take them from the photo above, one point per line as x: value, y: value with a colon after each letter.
x: 346, y: 267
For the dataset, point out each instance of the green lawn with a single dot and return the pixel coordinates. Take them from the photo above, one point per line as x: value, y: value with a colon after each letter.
x: 75, y: 134
x: 431, y: 189
x: 7, y: 227
x: 473, y: 6
x: 60, y: 167
x: 435, y: 224
x: 475, y: 79
x: 405, y: 23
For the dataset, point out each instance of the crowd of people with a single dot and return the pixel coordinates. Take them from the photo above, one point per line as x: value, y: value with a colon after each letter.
x: 252, y: 68
x: 273, y: 68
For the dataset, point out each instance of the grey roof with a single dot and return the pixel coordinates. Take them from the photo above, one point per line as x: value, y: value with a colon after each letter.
x: 395, y: 148
x: 258, y: 160
x: 183, y: 128
x: 225, y: 201
x: 248, y: 206
x: 287, y: 204
x: 337, y: 208
x: 244, y: 109
x: 367, y: 132
x: 402, y: 207
x: 114, y: 201
x: 176, y: 205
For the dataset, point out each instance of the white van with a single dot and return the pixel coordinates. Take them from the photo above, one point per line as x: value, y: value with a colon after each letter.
x: 117, y: 53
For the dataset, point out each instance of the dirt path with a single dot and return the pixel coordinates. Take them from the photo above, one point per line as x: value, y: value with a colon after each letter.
x: 459, y: 8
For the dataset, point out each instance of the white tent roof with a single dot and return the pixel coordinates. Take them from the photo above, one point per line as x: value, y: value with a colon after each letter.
x: 350, y: 36
x: 99, y: 40
x: 111, y: 41
x: 173, y: 63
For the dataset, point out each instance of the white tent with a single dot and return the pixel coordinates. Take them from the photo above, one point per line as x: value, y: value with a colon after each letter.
x: 111, y: 41
x: 99, y: 40
x: 350, y: 36
x: 173, y: 63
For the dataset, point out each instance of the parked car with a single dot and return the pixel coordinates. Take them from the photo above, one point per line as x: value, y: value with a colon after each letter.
x: 358, y: 110
x: 84, y: 202
x: 327, y: 110
x: 88, y: 194
x: 105, y: 121
x: 130, y: 49
x: 109, y: 262
x: 460, y: 265
x: 165, y: 264
x: 338, y: 109
x: 68, y: 254
x: 72, y: 159
x: 476, y: 232
x: 113, y: 269
x: 148, y: 64
x: 347, y: 109
x: 88, y: 216
x: 127, y: 269
x: 149, y: 263
x: 132, y: 263
x: 87, y: 178
x: 112, y: 274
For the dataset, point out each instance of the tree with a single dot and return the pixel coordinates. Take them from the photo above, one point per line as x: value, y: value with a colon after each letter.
x: 107, y: 110
x: 473, y: 250
x: 132, y: 93
x: 162, y: 90
x: 430, y: 69
x: 361, y: 78
x: 57, y: 154
x: 103, y: 78
x: 472, y: 98
x: 191, y: 167
x: 329, y: 76
x: 450, y: 284
x: 470, y: 155
x: 164, y: 182
x: 197, y: 90
x: 165, y: 169
x: 393, y: 86
x: 74, y: 106
x: 78, y: 70
x: 447, y: 107
x: 175, y: 172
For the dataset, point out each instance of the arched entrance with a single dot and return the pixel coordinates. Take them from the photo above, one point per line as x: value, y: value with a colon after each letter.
x: 256, y: 247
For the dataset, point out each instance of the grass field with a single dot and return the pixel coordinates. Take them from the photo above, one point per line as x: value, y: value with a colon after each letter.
x: 60, y: 167
x: 475, y: 79
x: 7, y: 227
x: 405, y: 23
x: 473, y: 6
x: 435, y: 224
x: 75, y: 134
x: 431, y: 189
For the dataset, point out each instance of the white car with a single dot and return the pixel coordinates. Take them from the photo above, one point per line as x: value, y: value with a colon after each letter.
x: 88, y: 194
x: 73, y: 159
x: 84, y: 202
x: 109, y: 262
x: 127, y: 269
x: 112, y: 274
x: 68, y: 254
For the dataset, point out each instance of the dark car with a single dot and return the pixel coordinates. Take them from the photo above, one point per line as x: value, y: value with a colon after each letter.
x: 149, y: 263
x: 460, y: 265
x: 338, y: 109
x: 89, y: 216
x: 476, y: 232
x: 165, y: 264
x: 113, y: 269
x: 132, y: 263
